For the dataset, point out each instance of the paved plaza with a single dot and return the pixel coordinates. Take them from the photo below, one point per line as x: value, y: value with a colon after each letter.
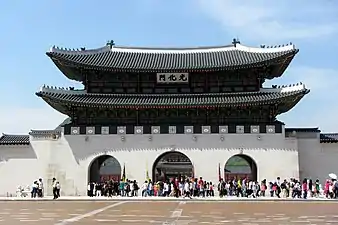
x: 167, y: 212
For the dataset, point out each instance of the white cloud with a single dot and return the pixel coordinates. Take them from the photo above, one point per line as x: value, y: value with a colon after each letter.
x: 18, y: 120
x: 267, y: 20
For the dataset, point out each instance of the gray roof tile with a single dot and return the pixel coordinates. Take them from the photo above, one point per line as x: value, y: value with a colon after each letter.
x: 171, y: 100
x: 301, y: 130
x: 329, y: 137
x: 9, y: 139
x: 151, y: 59
x: 44, y: 132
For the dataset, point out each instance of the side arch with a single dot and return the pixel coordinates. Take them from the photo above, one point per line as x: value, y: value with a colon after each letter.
x: 240, y: 166
x: 104, y: 167
x: 172, y: 164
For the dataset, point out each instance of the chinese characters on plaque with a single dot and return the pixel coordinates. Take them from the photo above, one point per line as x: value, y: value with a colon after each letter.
x: 172, y: 78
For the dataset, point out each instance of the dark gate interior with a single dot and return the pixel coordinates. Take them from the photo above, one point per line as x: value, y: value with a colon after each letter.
x: 240, y: 167
x: 104, y: 168
x: 172, y: 165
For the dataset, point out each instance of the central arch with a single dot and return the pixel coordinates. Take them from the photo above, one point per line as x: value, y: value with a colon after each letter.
x: 104, y: 168
x: 239, y: 167
x: 171, y: 165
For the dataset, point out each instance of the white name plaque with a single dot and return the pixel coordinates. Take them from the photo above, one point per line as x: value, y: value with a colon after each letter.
x: 167, y: 78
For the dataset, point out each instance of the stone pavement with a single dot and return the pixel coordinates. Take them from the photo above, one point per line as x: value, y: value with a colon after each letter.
x: 164, y: 212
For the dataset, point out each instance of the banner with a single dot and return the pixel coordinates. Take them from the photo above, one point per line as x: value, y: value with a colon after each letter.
x: 147, y: 172
x: 219, y: 172
x: 123, y: 178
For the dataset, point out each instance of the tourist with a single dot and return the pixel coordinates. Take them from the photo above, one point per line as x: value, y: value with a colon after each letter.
x: 98, y: 188
x: 58, y: 189
x: 335, y: 188
x: 40, y: 188
x: 150, y: 190
x: 34, y: 189
x: 305, y: 188
x: 90, y: 189
x: 317, y: 188
x: 211, y: 190
x: 54, y: 186
x: 144, y: 189
x: 166, y: 189
x: 186, y: 189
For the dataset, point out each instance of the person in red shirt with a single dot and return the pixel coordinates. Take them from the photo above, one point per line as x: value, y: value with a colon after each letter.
x: 304, y: 188
x: 201, y: 186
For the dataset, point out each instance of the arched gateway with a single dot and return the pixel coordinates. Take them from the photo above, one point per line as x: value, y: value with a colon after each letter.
x: 171, y: 165
x: 239, y: 167
x: 103, y: 168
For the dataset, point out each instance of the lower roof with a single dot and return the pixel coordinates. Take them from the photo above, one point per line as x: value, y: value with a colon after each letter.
x: 84, y: 99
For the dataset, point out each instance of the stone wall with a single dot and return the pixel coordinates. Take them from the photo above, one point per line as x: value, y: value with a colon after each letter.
x: 68, y: 157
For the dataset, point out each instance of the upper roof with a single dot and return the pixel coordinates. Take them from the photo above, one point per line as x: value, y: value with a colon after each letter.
x: 113, y: 57
x: 10, y: 139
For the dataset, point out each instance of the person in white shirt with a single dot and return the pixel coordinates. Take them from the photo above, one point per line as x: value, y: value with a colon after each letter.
x: 144, y: 189
x: 150, y: 189
x: 165, y: 189
x: 40, y: 188
x: 131, y: 189
x: 181, y: 188
x: 187, y: 189
x: 34, y: 189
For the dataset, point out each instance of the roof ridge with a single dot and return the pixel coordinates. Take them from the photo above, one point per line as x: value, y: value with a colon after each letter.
x: 211, y: 48
x: 84, y: 92
x: 57, y: 49
x: 283, y: 89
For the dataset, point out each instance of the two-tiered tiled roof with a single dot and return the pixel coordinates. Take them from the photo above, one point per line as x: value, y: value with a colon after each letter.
x: 84, y: 99
x: 112, y: 58
x: 10, y: 139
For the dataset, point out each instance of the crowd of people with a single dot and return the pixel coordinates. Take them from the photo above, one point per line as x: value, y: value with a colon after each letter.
x: 187, y: 187
x: 198, y: 188
x: 113, y: 188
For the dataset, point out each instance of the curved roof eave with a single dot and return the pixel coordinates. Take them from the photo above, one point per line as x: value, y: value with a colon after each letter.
x: 151, y: 59
x: 262, y: 62
x: 183, y: 100
x: 203, y: 49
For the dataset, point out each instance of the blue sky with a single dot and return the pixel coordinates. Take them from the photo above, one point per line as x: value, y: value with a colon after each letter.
x: 30, y: 28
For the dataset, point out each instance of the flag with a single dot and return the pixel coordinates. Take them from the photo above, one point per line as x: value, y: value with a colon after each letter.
x: 123, y: 178
x: 219, y: 172
x: 147, y: 172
